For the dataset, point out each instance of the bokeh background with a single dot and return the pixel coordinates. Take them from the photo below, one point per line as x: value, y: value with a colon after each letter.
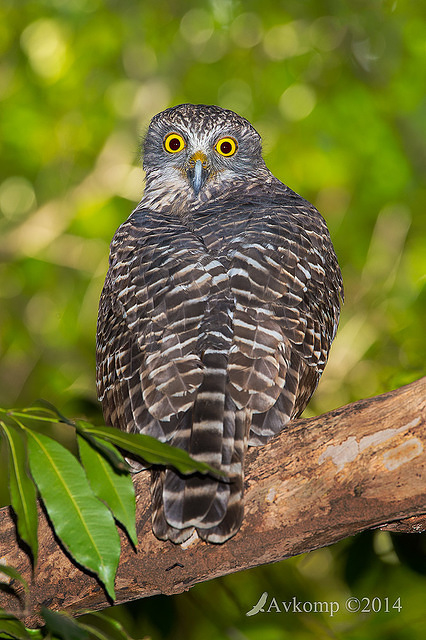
x: 337, y: 91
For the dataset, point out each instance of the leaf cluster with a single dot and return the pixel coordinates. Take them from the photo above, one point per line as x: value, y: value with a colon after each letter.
x: 63, y: 627
x: 93, y: 490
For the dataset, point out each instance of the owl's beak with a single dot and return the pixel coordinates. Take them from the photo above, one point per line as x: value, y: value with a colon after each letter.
x: 198, y: 171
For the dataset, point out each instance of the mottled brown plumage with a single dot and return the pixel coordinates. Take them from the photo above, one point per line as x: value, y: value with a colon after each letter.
x: 219, y: 308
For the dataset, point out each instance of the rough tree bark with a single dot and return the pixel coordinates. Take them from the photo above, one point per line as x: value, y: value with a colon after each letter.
x: 320, y: 480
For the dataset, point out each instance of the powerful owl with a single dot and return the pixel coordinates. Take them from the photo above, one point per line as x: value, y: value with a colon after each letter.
x: 218, y: 311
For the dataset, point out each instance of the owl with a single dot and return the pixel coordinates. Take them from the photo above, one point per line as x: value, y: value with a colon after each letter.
x: 220, y: 304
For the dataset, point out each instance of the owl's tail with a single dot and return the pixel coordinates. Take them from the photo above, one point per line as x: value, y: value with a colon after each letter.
x: 216, y: 433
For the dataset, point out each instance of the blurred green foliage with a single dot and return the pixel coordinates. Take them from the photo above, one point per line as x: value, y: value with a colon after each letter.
x: 337, y: 90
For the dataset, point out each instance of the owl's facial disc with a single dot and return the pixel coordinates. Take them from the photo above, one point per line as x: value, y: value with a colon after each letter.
x: 198, y: 171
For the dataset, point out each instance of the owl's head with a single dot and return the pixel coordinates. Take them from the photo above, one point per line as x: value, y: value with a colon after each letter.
x: 199, y: 148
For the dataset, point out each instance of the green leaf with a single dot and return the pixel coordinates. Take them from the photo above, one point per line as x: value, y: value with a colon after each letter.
x: 150, y: 449
x: 83, y: 523
x: 115, y: 489
x: 11, y: 627
x: 95, y: 632
x: 14, y: 574
x: 63, y: 626
x: 35, y: 634
x: 115, y: 628
x: 22, y: 490
x: 108, y: 451
x: 45, y: 407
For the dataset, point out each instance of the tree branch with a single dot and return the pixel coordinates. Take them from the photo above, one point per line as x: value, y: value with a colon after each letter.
x: 320, y: 480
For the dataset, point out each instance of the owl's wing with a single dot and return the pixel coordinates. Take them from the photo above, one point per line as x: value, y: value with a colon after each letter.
x: 163, y: 330
x: 287, y: 262
x: 286, y: 285
x: 160, y: 281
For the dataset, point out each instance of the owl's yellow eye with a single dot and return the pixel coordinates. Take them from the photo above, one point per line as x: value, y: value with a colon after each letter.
x: 226, y: 147
x: 174, y: 143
